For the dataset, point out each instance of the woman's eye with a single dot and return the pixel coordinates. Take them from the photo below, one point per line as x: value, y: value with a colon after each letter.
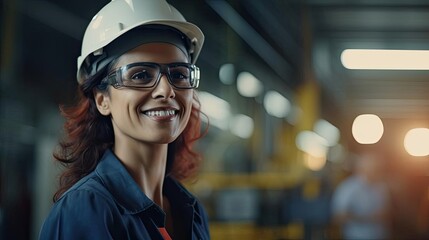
x: 141, y: 76
x: 179, y: 76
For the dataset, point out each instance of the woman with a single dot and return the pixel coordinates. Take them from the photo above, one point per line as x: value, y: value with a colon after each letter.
x: 129, y: 138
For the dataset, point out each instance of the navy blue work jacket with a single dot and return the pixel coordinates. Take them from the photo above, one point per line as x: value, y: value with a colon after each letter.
x: 108, y: 204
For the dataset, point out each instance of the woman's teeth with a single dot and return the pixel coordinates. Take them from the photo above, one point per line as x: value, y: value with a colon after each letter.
x: 160, y: 113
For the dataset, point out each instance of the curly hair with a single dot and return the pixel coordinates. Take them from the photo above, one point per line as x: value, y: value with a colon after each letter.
x: 88, y: 134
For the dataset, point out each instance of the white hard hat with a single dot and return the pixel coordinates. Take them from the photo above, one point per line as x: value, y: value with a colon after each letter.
x: 120, y: 16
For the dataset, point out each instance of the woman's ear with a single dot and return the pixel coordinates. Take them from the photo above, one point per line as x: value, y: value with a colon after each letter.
x: 102, y: 101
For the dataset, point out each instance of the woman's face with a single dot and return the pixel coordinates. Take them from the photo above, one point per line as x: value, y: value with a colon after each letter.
x: 157, y: 115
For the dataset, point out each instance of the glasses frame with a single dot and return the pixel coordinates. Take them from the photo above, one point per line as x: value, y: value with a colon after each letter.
x: 114, y: 78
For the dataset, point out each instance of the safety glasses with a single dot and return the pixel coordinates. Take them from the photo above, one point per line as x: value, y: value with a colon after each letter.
x: 147, y: 75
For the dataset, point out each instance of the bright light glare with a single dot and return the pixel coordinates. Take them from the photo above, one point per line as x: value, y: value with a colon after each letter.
x: 276, y: 105
x: 227, y: 73
x: 217, y: 109
x: 242, y: 126
x: 384, y: 59
x: 327, y: 131
x: 416, y: 142
x: 248, y: 85
x: 311, y: 143
x: 367, y: 129
x: 314, y: 163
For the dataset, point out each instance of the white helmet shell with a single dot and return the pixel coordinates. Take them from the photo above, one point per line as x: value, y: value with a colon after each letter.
x: 120, y: 16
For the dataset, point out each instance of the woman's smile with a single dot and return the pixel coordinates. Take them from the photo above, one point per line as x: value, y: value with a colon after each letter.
x: 161, y: 114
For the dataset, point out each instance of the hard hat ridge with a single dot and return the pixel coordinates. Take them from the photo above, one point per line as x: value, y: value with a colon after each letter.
x: 132, y: 39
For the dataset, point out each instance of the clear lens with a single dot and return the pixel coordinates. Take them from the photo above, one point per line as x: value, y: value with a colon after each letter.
x: 180, y: 76
x: 140, y: 76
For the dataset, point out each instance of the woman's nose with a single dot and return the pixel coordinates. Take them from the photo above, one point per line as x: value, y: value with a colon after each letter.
x: 163, y: 89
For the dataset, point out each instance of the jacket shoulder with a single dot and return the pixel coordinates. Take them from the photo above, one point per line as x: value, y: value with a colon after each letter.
x: 86, y: 211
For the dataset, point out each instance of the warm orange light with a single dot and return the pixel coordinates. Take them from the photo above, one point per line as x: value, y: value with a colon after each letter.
x: 416, y: 142
x: 314, y: 163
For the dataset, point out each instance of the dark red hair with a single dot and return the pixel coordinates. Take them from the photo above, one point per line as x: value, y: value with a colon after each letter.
x: 88, y: 134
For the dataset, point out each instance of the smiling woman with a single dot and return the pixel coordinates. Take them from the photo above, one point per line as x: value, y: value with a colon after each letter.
x: 129, y: 138
x: 141, y: 113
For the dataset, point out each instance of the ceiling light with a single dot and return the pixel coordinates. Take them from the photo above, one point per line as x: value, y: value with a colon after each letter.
x: 311, y: 143
x: 276, y: 105
x: 314, y: 163
x: 248, y: 85
x: 384, y: 59
x: 367, y: 129
x: 327, y: 131
x: 242, y: 126
x: 416, y: 142
x: 227, y: 73
x: 217, y: 109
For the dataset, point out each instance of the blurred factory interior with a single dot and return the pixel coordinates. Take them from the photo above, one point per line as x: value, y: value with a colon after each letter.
x: 281, y: 104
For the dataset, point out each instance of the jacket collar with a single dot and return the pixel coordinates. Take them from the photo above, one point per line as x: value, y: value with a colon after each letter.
x: 128, y: 194
x: 118, y: 181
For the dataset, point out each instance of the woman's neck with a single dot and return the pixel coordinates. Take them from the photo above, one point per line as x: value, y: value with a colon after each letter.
x: 146, y: 163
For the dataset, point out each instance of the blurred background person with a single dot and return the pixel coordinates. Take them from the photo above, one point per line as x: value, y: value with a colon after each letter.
x: 361, y: 202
